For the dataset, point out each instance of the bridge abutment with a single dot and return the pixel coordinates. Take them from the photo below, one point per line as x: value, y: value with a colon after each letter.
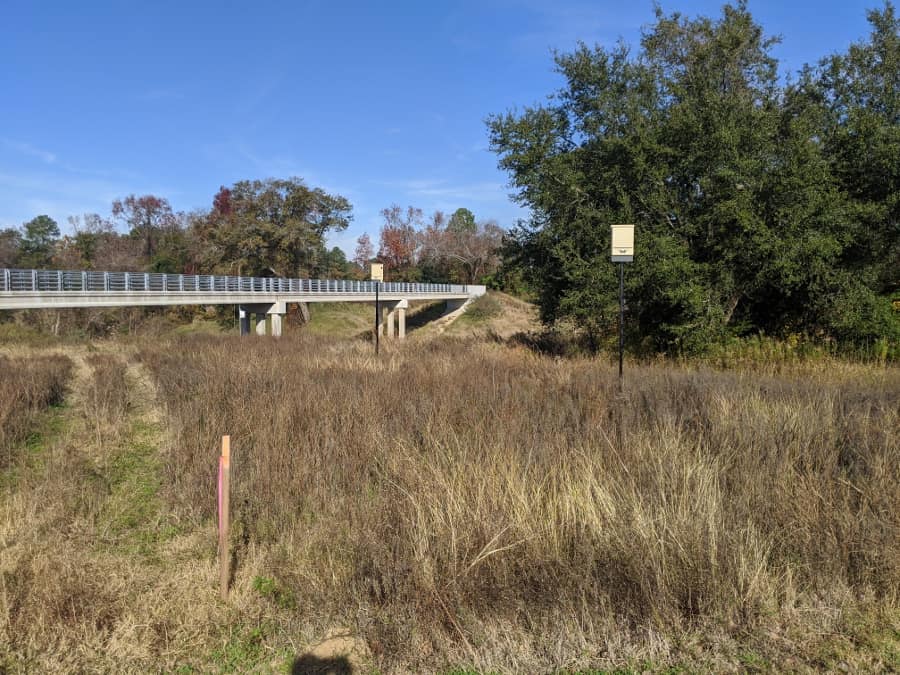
x: 454, y: 304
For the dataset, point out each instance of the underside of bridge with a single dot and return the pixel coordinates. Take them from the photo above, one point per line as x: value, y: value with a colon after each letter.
x: 270, y: 317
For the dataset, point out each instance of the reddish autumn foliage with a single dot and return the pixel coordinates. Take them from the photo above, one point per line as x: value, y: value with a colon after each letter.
x: 399, y: 240
x: 145, y: 217
x: 364, y: 251
x: 222, y: 204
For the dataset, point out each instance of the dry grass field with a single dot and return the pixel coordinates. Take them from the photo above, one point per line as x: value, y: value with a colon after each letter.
x: 27, y: 387
x: 456, y: 505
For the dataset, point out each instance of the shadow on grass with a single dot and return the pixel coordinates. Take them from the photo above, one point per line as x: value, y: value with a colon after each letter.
x: 425, y: 315
x: 416, y: 318
x: 313, y: 665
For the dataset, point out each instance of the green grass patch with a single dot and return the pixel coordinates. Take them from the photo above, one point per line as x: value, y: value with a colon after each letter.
x: 132, y: 513
x: 269, y: 588
x: 12, y: 333
x: 201, y: 327
x: 246, y: 651
x: 340, y: 319
x: 49, y: 426
x: 481, y: 310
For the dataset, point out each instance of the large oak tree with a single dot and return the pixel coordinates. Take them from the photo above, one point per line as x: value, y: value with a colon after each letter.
x: 753, y: 202
x: 273, y: 226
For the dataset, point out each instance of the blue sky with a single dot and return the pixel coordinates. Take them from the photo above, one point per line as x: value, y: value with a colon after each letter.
x: 381, y: 103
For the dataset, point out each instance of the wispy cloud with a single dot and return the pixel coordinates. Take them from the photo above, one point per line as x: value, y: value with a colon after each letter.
x: 29, y: 150
x: 488, y: 199
x: 162, y: 94
x: 59, y: 193
x: 24, y: 195
x: 482, y: 191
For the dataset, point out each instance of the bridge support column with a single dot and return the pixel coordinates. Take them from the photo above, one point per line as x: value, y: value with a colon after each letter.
x: 260, y: 323
x: 391, y: 318
x: 382, y: 313
x: 244, y: 320
x: 276, y: 325
x: 275, y: 310
x: 399, y: 309
x: 396, y: 310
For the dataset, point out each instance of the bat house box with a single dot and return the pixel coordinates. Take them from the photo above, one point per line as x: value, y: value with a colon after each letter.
x: 622, y: 243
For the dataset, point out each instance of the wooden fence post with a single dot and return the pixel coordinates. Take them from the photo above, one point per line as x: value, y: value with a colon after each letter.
x: 224, y: 513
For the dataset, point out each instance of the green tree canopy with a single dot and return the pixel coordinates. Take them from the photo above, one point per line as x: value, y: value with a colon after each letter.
x: 10, y: 241
x: 39, y: 237
x: 743, y: 221
x: 271, y: 226
x: 462, y: 220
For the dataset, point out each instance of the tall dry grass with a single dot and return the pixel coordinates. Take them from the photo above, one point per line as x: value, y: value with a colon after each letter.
x: 467, y: 502
x: 28, y: 385
x: 105, y: 400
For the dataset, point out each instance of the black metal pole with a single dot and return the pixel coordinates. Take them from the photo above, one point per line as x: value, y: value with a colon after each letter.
x: 377, y: 316
x: 621, y: 319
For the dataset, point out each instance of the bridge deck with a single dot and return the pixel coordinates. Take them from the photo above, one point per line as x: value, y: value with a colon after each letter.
x: 26, y: 289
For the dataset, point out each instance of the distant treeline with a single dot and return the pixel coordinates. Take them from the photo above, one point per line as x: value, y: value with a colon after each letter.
x: 761, y: 204
x: 273, y: 227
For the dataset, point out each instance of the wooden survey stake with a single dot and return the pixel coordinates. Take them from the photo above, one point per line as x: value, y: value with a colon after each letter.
x: 224, y: 512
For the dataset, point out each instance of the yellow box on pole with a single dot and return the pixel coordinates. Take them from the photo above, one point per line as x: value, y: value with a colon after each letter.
x: 622, y: 249
x: 377, y: 272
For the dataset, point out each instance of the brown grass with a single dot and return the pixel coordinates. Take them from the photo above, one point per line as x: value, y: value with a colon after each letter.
x: 105, y: 399
x: 465, y: 503
x: 27, y: 387
x: 454, y: 504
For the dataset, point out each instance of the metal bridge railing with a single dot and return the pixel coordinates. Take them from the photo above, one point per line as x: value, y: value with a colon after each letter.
x: 12, y: 280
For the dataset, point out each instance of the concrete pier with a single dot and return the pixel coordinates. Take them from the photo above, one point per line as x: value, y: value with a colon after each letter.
x: 394, y: 323
x: 274, y: 312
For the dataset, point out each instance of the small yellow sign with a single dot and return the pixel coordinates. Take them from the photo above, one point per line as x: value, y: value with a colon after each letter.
x: 622, y: 243
x: 377, y: 272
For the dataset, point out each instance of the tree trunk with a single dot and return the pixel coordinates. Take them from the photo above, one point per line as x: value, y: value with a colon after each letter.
x: 731, y: 306
x: 303, y: 308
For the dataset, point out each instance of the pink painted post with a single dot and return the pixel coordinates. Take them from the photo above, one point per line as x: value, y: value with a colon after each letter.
x: 224, y: 513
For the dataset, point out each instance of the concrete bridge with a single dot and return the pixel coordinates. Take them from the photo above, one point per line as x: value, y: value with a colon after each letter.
x: 254, y: 296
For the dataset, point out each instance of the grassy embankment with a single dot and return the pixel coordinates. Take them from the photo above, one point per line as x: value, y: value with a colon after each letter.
x: 457, y: 504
